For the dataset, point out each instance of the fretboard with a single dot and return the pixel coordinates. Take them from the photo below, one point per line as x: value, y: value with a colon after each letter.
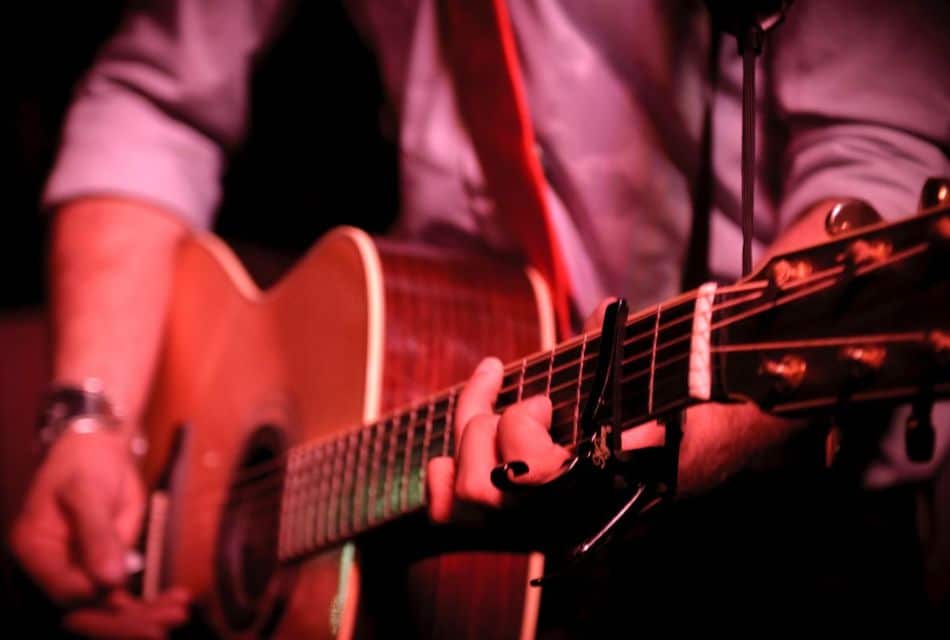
x: 336, y: 489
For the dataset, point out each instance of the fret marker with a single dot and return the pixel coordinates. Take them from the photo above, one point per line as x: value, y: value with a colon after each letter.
x: 700, y: 367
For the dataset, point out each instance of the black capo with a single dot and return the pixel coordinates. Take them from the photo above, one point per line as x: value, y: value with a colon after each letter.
x: 646, y: 476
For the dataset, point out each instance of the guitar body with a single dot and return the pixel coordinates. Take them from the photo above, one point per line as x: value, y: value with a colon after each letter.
x: 357, y: 327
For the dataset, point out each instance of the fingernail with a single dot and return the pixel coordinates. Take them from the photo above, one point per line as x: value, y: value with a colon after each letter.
x: 517, y: 467
x: 134, y: 562
x: 489, y: 365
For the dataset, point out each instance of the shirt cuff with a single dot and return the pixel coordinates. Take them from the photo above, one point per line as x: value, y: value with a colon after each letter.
x: 127, y: 146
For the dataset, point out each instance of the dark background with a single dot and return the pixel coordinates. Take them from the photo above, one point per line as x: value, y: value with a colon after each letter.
x: 315, y: 157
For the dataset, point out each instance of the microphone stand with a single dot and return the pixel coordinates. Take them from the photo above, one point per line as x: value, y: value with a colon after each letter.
x: 748, y: 21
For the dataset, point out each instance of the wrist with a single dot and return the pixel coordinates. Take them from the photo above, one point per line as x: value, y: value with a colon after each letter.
x: 81, y: 410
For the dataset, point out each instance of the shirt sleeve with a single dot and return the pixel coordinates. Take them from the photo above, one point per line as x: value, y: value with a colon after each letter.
x: 864, y: 90
x: 163, y: 104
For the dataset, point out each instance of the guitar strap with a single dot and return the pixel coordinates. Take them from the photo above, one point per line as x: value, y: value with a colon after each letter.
x: 480, y: 48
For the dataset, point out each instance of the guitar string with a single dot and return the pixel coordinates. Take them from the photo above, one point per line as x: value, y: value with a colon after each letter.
x: 278, y: 462
x: 320, y: 471
x: 756, y: 285
x: 685, y: 298
x: 344, y: 491
x: 643, y: 315
x: 343, y: 526
x: 514, y: 369
x: 403, y: 427
x: 363, y: 518
x: 354, y: 518
x: 410, y: 453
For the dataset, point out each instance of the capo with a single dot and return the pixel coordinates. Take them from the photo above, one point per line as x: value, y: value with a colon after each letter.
x: 601, y: 420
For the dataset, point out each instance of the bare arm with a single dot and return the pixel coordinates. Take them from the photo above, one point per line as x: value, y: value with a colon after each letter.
x: 111, y: 267
x: 718, y: 440
x: 110, y: 273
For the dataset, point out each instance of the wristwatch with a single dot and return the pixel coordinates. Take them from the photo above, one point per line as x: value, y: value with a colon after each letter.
x: 82, y: 408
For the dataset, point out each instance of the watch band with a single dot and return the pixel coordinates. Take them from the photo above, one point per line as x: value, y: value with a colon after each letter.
x: 81, y: 408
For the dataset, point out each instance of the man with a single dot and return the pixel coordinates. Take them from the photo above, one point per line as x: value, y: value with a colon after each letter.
x: 855, y: 103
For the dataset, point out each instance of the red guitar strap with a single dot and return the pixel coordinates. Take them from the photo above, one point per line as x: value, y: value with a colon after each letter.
x: 482, y: 53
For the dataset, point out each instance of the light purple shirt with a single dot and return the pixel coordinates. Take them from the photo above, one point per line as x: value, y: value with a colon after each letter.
x: 854, y: 100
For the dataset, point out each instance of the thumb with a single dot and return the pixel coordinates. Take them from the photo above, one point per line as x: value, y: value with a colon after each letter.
x: 100, y: 552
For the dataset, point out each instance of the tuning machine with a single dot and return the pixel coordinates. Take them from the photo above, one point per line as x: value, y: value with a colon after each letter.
x: 935, y: 192
x: 848, y: 215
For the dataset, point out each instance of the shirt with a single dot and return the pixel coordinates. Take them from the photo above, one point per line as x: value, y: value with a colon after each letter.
x: 853, y: 99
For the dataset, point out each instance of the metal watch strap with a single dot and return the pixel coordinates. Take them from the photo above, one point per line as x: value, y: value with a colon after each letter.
x: 64, y: 406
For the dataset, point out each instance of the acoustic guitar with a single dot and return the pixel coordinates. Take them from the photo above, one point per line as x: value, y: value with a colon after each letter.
x: 291, y: 428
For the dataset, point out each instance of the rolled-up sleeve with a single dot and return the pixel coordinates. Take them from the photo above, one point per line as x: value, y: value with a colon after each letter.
x: 163, y: 105
x: 864, y: 88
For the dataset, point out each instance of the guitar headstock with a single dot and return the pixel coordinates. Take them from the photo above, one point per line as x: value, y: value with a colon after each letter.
x: 864, y: 317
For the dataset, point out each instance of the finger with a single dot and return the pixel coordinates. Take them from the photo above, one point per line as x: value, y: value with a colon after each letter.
x: 131, y: 517
x: 44, y: 555
x: 524, y: 434
x: 648, y: 434
x: 101, y: 553
x: 440, y: 484
x: 107, y: 623
x: 596, y: 319
x: 167, y: 610
x: 478, y: 395
x: 477, y: 457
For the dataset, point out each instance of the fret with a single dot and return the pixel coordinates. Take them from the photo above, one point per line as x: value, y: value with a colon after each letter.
x: 360, y: 489
x: 304, y: 506
x: 427, y: 436
x: 547, y: 379
x: 439, y: 417
x: 322, y: 472
x: 524, y: 363
x: 390, y: 466
x: 351, y: 442
x: 309, y: 479
x: 449, y: 422
x: 671, y: 386
x: 417, y: 459
x: 333, y: 504
x: 379, y: 433
x: 575, y: 435
x: 656, y: 337
x: 407, y: 461
x: 288, y: 504
x: 637, y: 356
x: 563, y: 388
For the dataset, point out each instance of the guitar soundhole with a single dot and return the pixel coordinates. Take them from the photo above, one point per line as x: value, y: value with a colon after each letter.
x: 249, y: 584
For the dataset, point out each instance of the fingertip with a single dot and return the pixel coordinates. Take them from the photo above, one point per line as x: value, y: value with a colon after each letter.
x: 440, y: 480
x: 108, y: 569
x: 538, y: 406
x: 489, y: 366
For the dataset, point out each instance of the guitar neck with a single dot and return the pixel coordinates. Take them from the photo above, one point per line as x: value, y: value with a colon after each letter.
x: 336, y: 489
x: 817, y: 328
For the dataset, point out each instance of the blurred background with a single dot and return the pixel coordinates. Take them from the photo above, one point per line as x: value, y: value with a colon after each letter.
x: 317, y: 155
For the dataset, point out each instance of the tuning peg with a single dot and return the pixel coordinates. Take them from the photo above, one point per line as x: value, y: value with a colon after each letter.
x: 935, y: 192
x: 849, y: 215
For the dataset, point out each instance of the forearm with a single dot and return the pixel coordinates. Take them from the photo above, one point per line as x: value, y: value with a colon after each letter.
x: 111, y: 263
x: 720, y: 440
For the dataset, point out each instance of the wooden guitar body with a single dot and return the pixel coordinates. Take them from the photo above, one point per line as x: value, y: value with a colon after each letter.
x: 357, y: 327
